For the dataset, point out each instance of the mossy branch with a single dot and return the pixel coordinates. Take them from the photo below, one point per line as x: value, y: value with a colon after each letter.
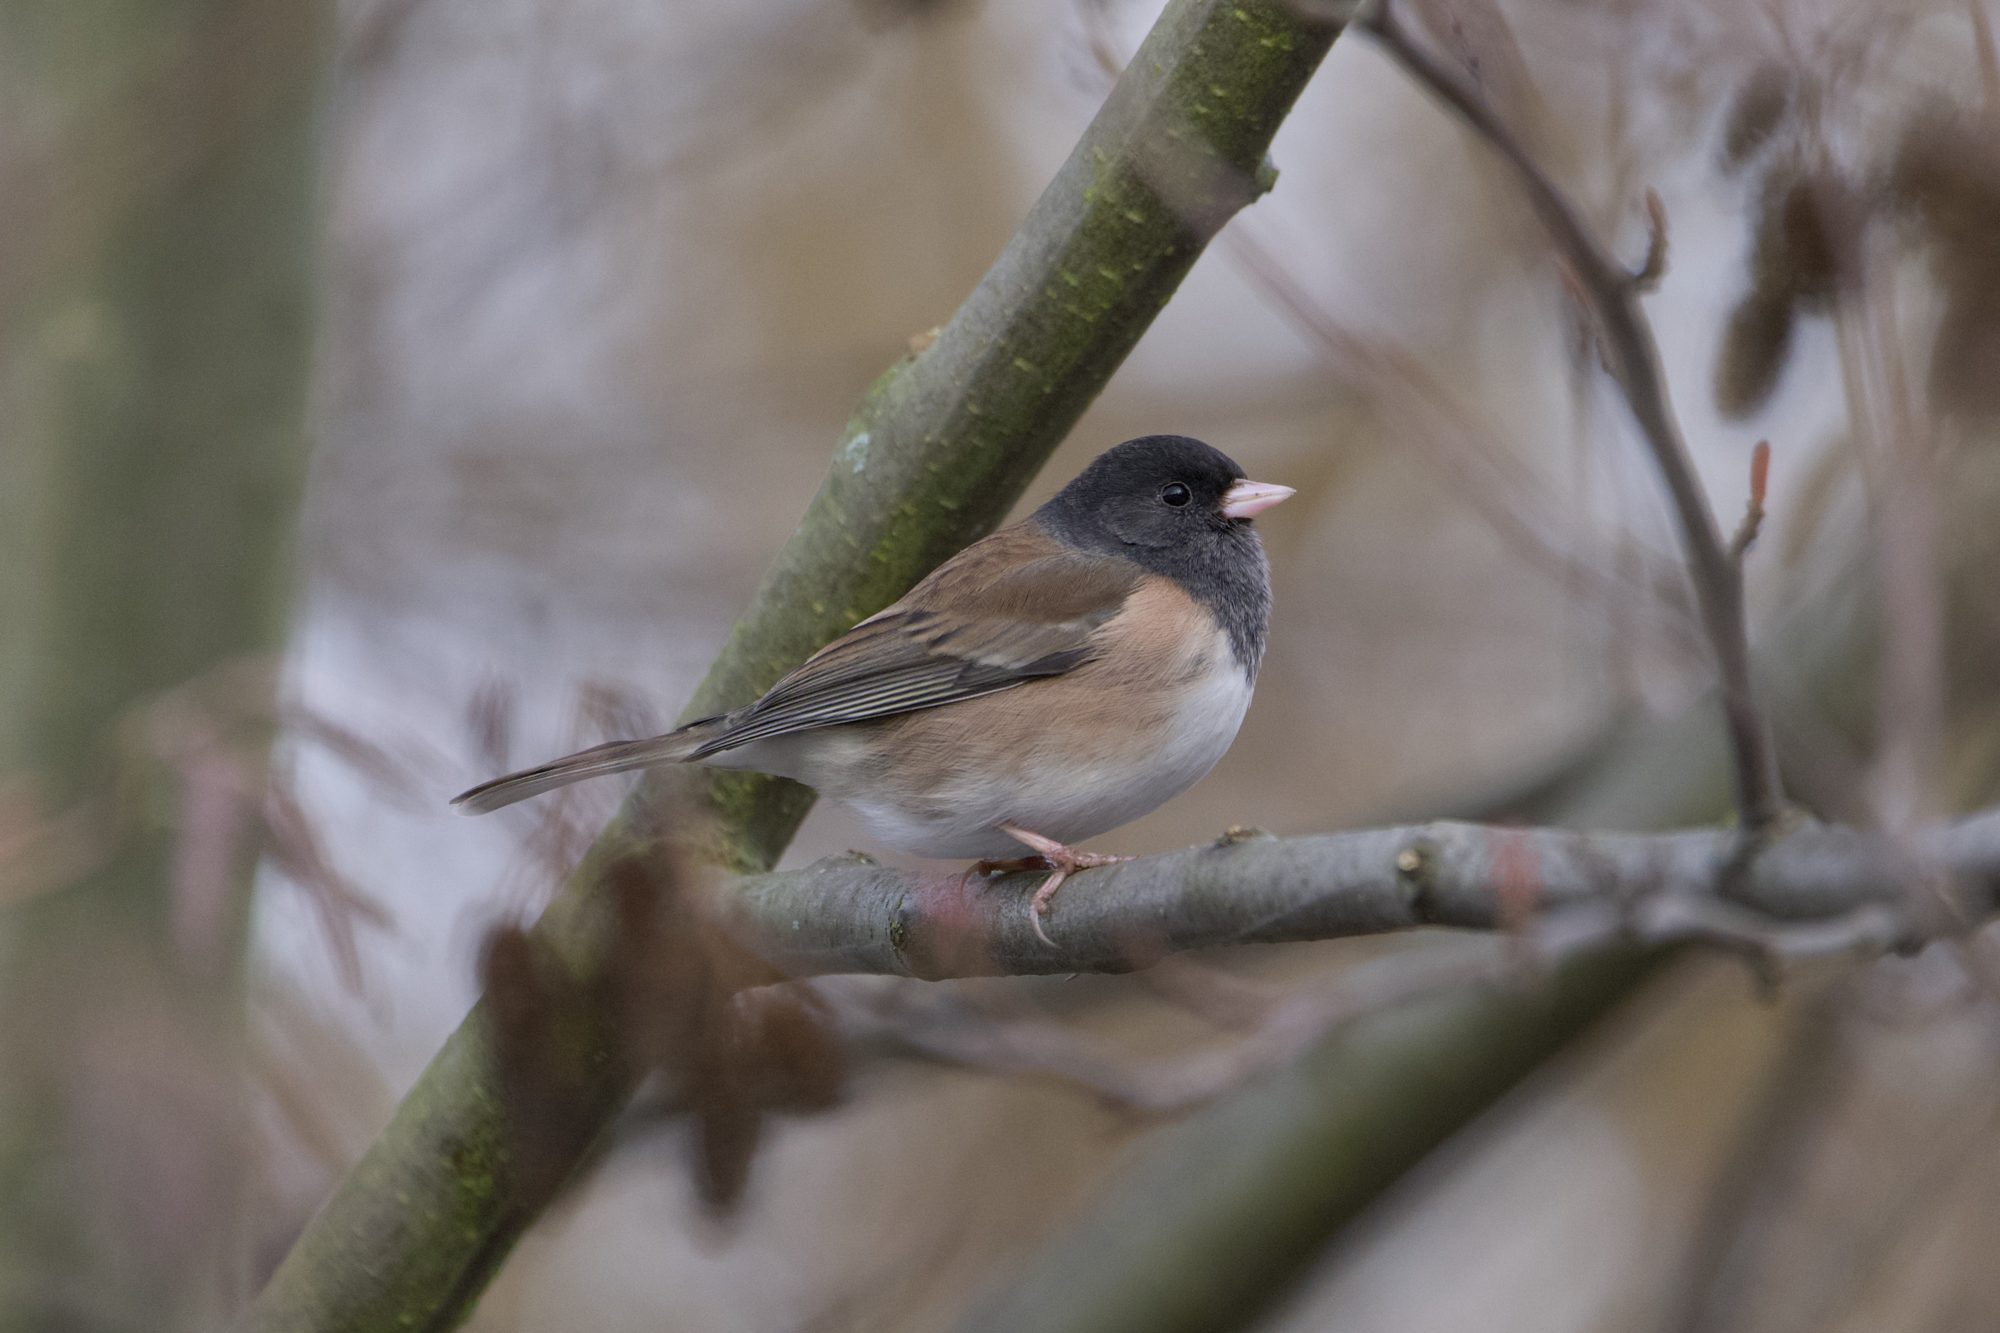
x: 939, y: 450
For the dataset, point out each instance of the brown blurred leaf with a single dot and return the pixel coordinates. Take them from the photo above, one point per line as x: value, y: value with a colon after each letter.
x: 533, y: 1009
x: 1807, y: 234
x: 790, y: 1037
x: 294, y: 848
x: 679, y: 998
x: 1807, y: 229
x: 1945, y: 180
x: 1754, y: 346
x: 1754, y: 117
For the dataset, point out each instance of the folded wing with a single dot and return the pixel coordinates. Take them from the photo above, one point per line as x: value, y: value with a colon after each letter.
x: 961, y: 633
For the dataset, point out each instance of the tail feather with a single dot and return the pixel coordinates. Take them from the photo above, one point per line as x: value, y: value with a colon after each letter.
x: 598, y: 761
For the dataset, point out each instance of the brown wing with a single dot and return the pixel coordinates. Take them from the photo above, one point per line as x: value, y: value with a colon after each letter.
x: 963, y: 632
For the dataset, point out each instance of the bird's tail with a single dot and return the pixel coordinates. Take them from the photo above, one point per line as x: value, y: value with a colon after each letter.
x: 617, y: 757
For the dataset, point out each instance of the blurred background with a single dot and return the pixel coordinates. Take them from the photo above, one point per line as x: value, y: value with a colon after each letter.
x: 407, y: 388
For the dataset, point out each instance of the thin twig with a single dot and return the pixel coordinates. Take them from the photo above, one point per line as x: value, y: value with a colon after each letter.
x: 1632, y: 357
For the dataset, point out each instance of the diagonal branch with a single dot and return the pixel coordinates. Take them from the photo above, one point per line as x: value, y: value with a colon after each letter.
x: 1633, y: 358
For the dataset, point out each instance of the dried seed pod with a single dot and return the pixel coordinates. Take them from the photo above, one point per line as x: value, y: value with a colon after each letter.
x: 1760, y: 107
x: 1753, y: 353
x: 1806, y: 234
x: 800, y: 1062
x: 728, y: 1122
x: 1944, y: 182
x: 1945, y: 176
x: 535, y: 1035
x: 1965, y: 350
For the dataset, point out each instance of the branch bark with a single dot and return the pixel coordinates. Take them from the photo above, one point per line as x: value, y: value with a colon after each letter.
x: 1215, y: 1214
x: 938, y: 451
x: 848, y: 914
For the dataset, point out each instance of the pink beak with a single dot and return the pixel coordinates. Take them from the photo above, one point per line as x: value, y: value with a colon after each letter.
x: 1247, y: 499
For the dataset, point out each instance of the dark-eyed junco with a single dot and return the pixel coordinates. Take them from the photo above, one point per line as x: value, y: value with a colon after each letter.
x: 1046, y: 684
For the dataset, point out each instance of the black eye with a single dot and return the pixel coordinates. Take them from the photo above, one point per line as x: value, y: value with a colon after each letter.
x: 1176, y: 494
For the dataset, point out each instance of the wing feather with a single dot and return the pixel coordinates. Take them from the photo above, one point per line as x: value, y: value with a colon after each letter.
x: 961, y: 633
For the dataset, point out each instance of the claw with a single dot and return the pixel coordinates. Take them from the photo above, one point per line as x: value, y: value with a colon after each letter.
x: 1038, y: 906
x: 1061, y: 861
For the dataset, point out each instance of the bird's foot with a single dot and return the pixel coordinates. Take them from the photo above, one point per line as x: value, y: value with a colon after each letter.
x: 1062, y: 862
x: 1007, y: 865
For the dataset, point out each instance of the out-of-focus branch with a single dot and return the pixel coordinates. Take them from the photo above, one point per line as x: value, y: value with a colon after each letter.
x: 1612, y: 292
x: 158, y: 229
x: 937, y: 453
x: 1898, y: 447
x: 1214, y: 1214
x: 1814, y: 884
x: 937, y: 1025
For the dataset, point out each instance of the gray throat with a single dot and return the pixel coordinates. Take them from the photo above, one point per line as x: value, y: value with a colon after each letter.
x: 1223, y: 569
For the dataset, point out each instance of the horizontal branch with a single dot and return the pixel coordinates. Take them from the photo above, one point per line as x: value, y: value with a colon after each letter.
x: 849, y: 914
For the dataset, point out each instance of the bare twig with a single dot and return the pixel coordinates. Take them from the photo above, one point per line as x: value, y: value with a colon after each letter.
x: 1633, y: 359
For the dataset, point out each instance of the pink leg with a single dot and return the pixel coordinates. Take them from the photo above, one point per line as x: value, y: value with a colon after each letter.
x: 1008, y: 865
x: 1004, y: 866
x: 1062, y: 862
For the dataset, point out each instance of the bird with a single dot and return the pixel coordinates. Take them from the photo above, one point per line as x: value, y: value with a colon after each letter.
x: 1054, y: 680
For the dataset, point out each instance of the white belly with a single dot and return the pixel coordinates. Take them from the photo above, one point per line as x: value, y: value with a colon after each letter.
x: 1065, y: 793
